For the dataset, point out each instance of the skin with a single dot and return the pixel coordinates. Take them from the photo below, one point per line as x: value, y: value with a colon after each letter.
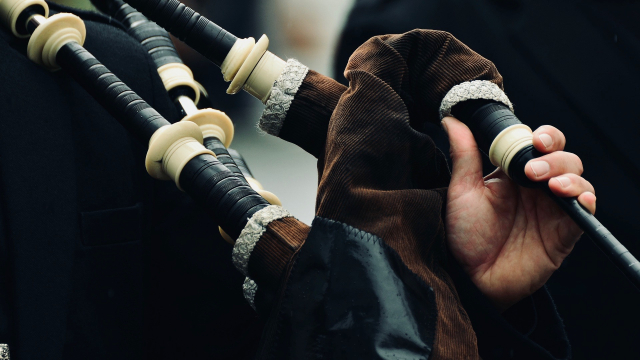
x: 510, y: 239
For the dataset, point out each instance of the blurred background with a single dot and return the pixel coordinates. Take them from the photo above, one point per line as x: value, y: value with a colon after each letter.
x: 571, y: 63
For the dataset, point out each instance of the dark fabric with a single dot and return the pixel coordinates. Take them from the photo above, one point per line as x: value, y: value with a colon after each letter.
x: 530, y: 329
x: 104, y: 227
x: 92, y: 249
x: 574, y: 65
x: 271, y: 256
x: 350, y: 296
x: 61, y: 155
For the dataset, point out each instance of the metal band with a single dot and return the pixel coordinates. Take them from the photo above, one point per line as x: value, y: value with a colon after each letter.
x: 282, y: 94
x: 251, y: 233
x: 249, y: 289
x: 470, y: 90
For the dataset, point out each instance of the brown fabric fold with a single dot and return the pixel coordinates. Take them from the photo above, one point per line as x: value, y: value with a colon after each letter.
x: 381, y: 175
x: 378, y: 172
x: 308, y: 117
x: 274, y: 251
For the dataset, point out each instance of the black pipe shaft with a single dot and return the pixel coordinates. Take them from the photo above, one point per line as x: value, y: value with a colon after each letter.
x: 195, y: 30
x: 115, y: 96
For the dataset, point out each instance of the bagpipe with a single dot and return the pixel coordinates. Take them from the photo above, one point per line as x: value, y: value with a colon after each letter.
x: 194, y: 152
x: 499, y: 133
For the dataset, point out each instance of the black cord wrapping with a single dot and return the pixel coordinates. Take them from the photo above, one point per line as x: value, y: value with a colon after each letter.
x: 122, y: 103
x: 227, y: 197
x: 618, y: 253
x: 242, y: 165
x: 222, y: 154
x: 224, y: 194
x: 154, y: 39
x: 195, y: 30
x: 486, y: 119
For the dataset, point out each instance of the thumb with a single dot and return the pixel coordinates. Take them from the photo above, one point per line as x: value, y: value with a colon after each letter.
x: 467, y: 162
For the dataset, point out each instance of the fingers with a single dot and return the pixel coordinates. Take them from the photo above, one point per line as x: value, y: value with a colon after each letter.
x: 554, y: 164
x: 572, y: 185
x: 547, y: 139
x: 466, y: 158
x: 588, y: 200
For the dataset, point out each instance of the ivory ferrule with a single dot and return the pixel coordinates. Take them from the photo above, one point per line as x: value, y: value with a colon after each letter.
x: 171, y: 147
x: 175, y: 74
x: 10, y: 11
x: 264, y: 75
x: 213, y: 123
x: 507, y: 144
x: 236, y: 57
x: 251, y: 67
x: 53, y: 34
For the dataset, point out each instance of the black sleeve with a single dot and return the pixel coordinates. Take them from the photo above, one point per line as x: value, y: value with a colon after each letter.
x: 530, y: 329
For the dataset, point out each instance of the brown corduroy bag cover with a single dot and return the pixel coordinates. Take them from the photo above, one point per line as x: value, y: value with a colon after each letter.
x: 377, y: 171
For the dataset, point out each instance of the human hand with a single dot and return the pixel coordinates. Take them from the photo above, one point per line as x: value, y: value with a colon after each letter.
x: 510, y: 239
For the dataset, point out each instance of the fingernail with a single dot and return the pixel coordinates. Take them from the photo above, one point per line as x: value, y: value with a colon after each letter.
x: 564, y: 181
x: 539, y: 168
x: 546, y: 140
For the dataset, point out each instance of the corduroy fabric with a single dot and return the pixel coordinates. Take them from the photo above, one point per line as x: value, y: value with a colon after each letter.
x: 433, y: 62
x: 275, y: 249
x: 308, y: 117
x: 378, y: 172
x: 382, y: 176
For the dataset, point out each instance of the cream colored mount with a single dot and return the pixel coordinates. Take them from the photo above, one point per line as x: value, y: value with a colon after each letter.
x: 10, y: 11
x: 507, y: 144
x: 251, y: 67
x: 213, y: 123
x: 51, y: 35
x: 171, y: 147
x: 176, y: 74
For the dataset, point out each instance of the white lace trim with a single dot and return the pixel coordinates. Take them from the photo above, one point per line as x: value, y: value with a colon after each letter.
x: 477, y: 89
x: 252, y: 232
x: 282, y: 93
x: 249, y: 289
x: 4, y: 352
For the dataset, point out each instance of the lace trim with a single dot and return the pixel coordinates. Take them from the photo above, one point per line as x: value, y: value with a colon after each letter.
x: 282, y: 93
x: 251, y: 233
x: 249, y: 289
x: 4, y: 352
x: 477, y: 89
